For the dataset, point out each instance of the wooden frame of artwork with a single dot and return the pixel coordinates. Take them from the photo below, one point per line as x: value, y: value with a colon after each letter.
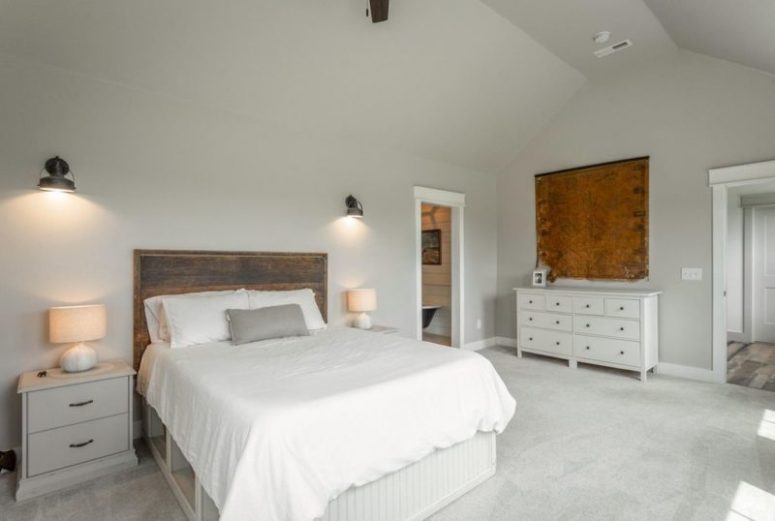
x: 431, y: 247
x: 592, y: 221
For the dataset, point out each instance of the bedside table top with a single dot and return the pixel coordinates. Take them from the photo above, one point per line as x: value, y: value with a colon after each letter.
x: 385, y: 330
x: 30, y: 381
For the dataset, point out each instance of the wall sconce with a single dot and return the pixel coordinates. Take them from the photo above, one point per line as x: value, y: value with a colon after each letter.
x: 57, y: 179
x: 354, y: 207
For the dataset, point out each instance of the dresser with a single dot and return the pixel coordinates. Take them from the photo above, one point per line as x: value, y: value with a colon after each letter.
x: 614, y: 328
x: 75, y: 427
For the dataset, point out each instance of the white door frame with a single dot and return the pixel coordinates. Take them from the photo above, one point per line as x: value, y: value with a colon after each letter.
x: 721, y: 179
x: 457, y: 202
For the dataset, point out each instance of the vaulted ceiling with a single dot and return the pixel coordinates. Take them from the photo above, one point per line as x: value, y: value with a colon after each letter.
x: 447, y: 79
x: 457, y: 80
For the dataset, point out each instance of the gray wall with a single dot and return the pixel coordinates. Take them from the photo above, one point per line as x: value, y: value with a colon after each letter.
x: 688, y: 113
x: 153, y: 172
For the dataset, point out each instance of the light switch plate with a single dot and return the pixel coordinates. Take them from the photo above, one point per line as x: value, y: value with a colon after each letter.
x: 691, y: 273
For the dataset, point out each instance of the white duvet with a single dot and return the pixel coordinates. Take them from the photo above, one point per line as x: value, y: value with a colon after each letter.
x: 276, y: 429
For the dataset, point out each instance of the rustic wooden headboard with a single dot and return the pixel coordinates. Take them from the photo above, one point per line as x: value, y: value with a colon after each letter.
x: 169, y: 272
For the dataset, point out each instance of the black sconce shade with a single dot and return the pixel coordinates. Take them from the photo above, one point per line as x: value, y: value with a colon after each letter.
x: 57, y: 179
x: 354, y: 207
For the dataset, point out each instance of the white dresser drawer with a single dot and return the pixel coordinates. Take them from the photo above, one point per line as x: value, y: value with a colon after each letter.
x: 607, y: 350
x: 622, y: 307
x: 546, y: 320
x: 589, y: 305
x: 548, y: 341
x: 559, y: 303
x: 532, y: 301
x: 615, y: 327
x: 71, y: 404
x: 79, y: 443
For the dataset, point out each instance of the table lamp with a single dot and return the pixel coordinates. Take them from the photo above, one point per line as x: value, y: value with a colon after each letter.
x: 77, y: 324
x: 362, y: 301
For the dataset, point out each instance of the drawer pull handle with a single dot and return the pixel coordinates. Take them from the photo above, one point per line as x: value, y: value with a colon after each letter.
x: 556, y: 303
x: 621, y: 329
x: 529, y: 301
x: 587, y: 348
x: 587, y: 306
x: 621, y: 352
x: 79, y: 445
x: 531, y: 338
x: 587, y: 325
x: 81, y: 404
x: 557, y: 322
x: 530, y: 319
x: 621, y: 308
x: 558, y: 342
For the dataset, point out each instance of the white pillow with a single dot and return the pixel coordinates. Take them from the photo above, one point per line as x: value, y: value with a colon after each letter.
x: 200, y: 319
x: 305, y: 298
x: 156, y: 320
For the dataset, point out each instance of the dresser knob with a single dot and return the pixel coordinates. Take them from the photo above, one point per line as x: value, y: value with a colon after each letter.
x: 79, y: 445
x: 621, y: 329
x: 558, y: 342
x: 529, y: 301
x: 556, y: 303
x: 587, y: 306
x: 587, y: 325
x: 531, y: 338
x: 587, y: 348
x: 557, y: 322
x: 621, y: 352
x: 621, y: 308
x: 529, y: 319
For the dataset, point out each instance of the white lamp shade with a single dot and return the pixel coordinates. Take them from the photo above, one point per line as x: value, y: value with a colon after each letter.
x: 77, y: 323
x: 360, y: 300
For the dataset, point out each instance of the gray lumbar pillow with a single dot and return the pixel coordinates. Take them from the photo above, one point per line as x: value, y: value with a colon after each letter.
x: 252, y: 325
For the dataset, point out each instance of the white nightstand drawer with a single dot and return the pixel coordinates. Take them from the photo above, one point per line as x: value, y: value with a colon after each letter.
x: 611, y: 350
x: 71, y: 404
x: 532, y: 301
x: 546, y: 320
x: 614, y: 327
x: 58, y: 448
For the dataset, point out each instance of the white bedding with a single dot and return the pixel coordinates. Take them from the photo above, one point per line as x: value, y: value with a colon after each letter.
x: 276, y: 429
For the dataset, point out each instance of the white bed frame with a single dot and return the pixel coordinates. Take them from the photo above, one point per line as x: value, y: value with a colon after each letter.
x: 410, y: 494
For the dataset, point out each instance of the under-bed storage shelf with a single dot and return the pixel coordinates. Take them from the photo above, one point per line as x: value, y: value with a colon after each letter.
x: 410, y: 494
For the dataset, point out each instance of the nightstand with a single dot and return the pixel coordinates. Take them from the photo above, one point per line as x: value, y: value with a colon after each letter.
x: 383, y: 330
x: 75, y: 426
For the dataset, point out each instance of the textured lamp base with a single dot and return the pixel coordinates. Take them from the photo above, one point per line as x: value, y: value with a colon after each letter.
x: 362, y: 321
x: 78, y: 358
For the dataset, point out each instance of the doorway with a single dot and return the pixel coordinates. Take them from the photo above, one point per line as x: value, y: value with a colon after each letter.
x: 744, y: 274
x: 439, y: 300
x: 750, y: 284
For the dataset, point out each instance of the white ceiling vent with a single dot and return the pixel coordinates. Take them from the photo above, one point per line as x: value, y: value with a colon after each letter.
x: 605, y: 51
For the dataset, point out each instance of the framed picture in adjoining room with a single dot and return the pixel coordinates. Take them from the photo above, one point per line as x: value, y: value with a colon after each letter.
x: 431, y: 247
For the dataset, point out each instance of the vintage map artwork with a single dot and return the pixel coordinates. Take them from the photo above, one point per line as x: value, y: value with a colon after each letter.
x: 593, y: 222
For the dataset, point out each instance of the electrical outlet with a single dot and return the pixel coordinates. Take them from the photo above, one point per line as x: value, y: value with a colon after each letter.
x: 693, y: 274
x: 478, y: 323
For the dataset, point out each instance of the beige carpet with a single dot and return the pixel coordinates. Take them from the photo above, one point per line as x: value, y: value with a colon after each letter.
x: 585, y: 445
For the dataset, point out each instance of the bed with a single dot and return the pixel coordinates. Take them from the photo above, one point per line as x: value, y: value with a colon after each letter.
x: 339, y: 425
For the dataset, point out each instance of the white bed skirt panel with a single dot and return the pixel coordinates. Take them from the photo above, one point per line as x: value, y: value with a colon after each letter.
x: 410, y: 494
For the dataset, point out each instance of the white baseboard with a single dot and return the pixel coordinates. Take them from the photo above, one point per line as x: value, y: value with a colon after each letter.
x: 479, y: 344
x: 506, y: 341
x: 685, y: 371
